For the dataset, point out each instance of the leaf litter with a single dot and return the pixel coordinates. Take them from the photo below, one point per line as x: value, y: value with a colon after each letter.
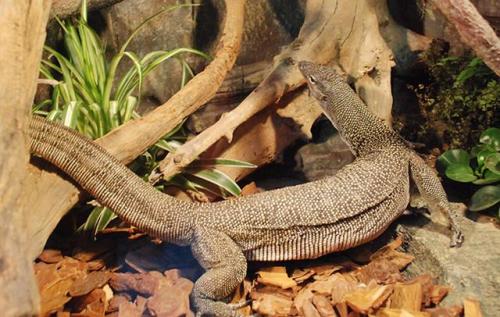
x: 118, y: 276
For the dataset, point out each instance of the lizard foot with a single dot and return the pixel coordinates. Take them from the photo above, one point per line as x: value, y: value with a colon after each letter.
x: 208, y: 307
x: 239, y: 305
x: 225, y: 267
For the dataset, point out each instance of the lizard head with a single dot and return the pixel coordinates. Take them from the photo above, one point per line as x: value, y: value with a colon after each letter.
x: 319, y: 78
x: 315, y: 77
x: 322, y: 82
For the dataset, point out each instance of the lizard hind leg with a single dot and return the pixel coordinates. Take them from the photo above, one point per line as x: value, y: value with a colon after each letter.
x: 432, y: 192
x: 225, y: 267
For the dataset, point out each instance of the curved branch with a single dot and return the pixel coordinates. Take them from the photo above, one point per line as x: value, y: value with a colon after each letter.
x: 316, y: 42
x: 474, y: 30
x: 138, y: 135
x: 53, y: 196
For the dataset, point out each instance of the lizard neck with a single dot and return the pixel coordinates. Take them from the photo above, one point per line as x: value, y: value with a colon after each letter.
x: 358, y: 127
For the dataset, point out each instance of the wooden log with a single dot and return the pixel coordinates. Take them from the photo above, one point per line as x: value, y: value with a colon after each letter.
x: 22, y: 34
x: 396, y: 312
x: 407, y: 296
x: 472, y: 308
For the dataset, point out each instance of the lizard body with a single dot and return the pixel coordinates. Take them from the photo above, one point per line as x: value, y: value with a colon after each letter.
x: 300, y: 222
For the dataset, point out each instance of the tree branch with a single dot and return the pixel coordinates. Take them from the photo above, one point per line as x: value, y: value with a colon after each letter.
x: 473, y: 29
x: 53, y: 196
x: 346, y: 30
x: 314, y: 43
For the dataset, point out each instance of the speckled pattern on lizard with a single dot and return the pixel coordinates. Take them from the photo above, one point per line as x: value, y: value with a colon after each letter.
x: 299, y: 222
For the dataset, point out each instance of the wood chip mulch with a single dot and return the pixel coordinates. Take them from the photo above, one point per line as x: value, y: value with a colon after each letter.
x: 139, y: 280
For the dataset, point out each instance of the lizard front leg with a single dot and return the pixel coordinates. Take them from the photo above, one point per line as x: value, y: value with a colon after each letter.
x: 225, y: 267
x: 432, y: 192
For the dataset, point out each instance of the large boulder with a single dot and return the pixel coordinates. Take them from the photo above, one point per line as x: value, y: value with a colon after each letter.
x: 472, y: 270
x: 167, y: 31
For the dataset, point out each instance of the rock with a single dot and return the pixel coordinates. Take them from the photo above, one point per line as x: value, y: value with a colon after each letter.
x: 64, y: 8
x: 264, y: 29
x: 319, y: 160
x: 128, y: 309
x: 141, y: 283
x: 116, y: 301
x: 92, y: 304
x: 148, y: 257
x: 196, y: 27
x: 170, y: 30
x: 269, y: 24
x: 471, y: 271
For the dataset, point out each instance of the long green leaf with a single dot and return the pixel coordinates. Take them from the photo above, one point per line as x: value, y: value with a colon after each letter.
x: 222, y: 162
x: 220, y: 179
x: 106, y: 215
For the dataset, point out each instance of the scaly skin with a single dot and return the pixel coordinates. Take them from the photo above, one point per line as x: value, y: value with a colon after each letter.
x: 299, y: 222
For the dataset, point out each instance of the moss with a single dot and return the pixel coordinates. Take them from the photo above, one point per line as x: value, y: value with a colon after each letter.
x: 461, y: 99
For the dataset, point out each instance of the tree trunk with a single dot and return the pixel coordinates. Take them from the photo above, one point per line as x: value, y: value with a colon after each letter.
x: 22, y: 34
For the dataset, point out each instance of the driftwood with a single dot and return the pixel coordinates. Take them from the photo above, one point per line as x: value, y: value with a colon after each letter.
x: 354, y: 36
x: 256, y: 140
x: 22, y: 34
x: 264, y: 136
x: 335, y: 36
x: 473, y: 29
x: 347, y: 31
x: 53, y: 196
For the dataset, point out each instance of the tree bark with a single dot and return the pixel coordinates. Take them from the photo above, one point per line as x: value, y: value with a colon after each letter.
x: 263, y: 138
x: 346, y: 32
x: 473, y: 29
x: 22, y: 34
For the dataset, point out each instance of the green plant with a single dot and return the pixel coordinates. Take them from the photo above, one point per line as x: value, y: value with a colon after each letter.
x: 480, y: 167
x: 459, y: 101
x: 86, y: 96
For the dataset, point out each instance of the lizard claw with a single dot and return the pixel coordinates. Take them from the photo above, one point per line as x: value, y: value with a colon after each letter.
x: 457, y: 238
x: 239, y: 305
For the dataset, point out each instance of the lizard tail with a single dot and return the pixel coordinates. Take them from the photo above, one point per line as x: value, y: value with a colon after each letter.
x: 112, y: 183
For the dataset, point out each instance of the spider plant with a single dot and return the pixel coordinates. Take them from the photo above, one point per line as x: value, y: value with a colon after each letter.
x: 88, y: 97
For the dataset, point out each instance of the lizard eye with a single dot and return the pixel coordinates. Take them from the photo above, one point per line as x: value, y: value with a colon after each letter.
x: 312, y: 79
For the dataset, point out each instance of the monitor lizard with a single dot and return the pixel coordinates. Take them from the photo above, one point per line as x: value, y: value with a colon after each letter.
x: 298, y: 222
